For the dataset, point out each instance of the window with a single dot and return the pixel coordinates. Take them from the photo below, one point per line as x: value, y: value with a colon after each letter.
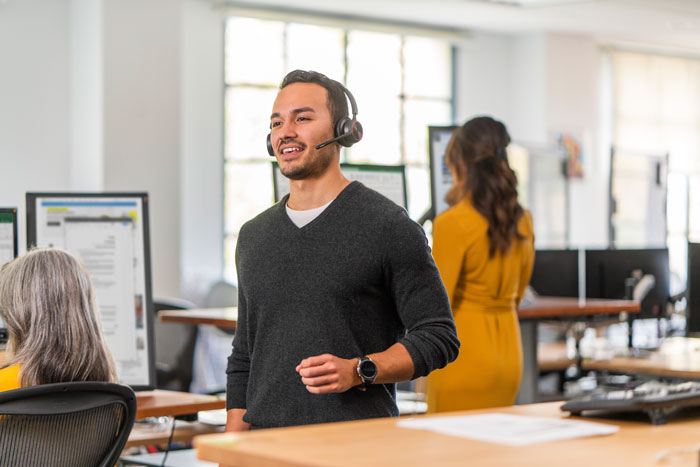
x: 657, y: 112
x: 402, y: 84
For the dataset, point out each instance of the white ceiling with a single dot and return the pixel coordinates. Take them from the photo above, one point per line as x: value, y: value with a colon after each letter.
x: 662, y: 23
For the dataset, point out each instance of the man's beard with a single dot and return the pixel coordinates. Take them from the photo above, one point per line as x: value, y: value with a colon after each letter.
x: 311, y: 168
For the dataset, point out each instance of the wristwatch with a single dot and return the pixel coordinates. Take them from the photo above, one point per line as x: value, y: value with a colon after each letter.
x: 366, y: 370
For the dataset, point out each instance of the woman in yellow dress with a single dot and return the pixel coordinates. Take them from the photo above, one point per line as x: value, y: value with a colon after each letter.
x: 484, y: 248
x: 47, y: 302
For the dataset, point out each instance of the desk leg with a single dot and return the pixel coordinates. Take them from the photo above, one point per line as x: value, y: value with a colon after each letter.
x: 528, y: 386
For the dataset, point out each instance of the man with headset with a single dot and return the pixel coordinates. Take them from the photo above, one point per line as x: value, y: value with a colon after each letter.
x: 339, y: 297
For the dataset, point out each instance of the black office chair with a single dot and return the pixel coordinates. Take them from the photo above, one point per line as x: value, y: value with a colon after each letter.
x: 66, y: 424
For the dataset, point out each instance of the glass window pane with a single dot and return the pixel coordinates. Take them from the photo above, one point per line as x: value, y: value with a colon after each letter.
x: 419, y: 114
x: 247, y: 121
x: 315, y: 48
x: 428, y: 64
x: 374, y: 65
x: 380, y: 121
x: 248, y: 191
x: 418, y: 191
x: 254, y: 52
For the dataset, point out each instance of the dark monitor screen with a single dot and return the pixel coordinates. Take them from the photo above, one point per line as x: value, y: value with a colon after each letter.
x: 109, y: 233
x: 440, y: 176
x: 555, y: 273
x: 606, y: 271
x: 693, y: 288
x: 389, y: 180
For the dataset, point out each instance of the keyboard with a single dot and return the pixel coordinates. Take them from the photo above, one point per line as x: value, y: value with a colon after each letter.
x: 655, y: 398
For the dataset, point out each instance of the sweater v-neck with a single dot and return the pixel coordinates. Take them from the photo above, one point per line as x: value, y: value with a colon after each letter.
x: 282, y: 209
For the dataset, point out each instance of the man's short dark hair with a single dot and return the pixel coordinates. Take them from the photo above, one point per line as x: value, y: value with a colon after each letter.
x: 337, y: 102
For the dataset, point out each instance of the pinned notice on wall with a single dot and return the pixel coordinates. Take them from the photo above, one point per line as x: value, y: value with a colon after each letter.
x: 512, y: 430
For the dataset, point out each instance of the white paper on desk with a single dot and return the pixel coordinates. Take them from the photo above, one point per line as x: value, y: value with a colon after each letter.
x: 513, y: 430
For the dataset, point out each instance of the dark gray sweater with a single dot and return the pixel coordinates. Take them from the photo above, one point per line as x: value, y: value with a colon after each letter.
x: 352, y: 282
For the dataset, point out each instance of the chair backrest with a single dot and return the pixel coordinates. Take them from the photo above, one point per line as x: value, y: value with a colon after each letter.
x: 221, y: 294
x: 66, y: 424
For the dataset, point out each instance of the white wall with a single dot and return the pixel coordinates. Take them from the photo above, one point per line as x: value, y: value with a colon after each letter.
x: 141, y: 120
x: 201, y: 122
x: 34, y: 100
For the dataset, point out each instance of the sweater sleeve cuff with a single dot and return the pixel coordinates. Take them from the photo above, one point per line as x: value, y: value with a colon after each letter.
x: 420, y: 368
x: 236, y: 387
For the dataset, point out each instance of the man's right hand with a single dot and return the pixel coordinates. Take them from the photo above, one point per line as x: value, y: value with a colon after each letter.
x: 234, y: 420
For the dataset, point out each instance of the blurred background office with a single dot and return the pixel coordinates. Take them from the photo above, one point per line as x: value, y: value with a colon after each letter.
x: 172, y: 97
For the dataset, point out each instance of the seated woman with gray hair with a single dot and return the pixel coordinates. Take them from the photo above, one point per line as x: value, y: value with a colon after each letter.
x: 47, y: 302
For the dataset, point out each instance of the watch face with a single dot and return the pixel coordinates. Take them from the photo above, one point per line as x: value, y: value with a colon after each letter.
x: 368, y: 369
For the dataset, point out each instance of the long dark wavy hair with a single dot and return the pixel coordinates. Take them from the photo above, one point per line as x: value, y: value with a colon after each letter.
x: 477, y: 157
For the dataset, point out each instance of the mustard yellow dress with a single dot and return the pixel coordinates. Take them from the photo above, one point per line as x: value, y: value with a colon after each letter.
x: 9, y: 378
x: 484, y: 293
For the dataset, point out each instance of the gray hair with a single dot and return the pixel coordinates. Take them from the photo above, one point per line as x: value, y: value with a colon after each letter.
x: 47, y: 301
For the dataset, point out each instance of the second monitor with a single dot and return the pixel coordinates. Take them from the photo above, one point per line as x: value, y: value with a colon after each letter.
x: 389, y: 180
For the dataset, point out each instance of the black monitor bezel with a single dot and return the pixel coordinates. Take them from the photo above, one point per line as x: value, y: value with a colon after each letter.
x: 432, y: 130
x: 30, y: 201
x: 390, y: 168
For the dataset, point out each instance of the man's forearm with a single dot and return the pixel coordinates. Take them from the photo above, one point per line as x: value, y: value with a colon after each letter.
x: 393, y: 365
x: 234, y: 420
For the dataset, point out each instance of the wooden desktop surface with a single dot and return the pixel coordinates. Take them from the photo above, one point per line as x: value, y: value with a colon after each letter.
x: 380, y: 442
x: 569, y: 307
x: 539, y: 308
x: 225, y: 317
x: 676, y: 357
x: 160, y: 403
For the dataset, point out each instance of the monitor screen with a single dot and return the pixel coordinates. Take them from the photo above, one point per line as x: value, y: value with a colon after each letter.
x: 555, y: 273
x: 440, y: 176
x: 693, y: 289
x: 8, y: 234
x: 606, y: 271
x: 109, y: 233
x: 389, y: 180
x: 8, y: 248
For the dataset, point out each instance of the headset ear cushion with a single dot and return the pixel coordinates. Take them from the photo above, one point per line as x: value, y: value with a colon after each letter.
x: 349, y: 127
x: 270, y: 149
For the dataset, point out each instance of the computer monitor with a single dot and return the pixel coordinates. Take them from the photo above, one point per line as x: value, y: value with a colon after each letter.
x: 693, y: 289
x: 109, y: 233
x: 440, y: 176
x: 8, y: 248
x: 8, y: 234
x: 555, y: 273
x: 606, y: 271
x: 389, y: 180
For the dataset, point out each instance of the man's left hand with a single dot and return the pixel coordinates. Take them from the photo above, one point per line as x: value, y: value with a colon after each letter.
x: 324, y: 374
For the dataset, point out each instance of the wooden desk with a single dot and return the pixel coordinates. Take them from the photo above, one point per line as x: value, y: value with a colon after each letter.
x: 380, y: 442
x: 677, y: 357
x: 224, y: 317
x: 147, y: 433
x: 556, y: 308
x: 161, y: 403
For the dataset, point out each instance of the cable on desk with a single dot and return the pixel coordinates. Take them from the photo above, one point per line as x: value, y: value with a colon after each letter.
x: 170, y: 440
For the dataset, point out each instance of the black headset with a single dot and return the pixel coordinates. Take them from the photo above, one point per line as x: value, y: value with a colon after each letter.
x: 348, y: 131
